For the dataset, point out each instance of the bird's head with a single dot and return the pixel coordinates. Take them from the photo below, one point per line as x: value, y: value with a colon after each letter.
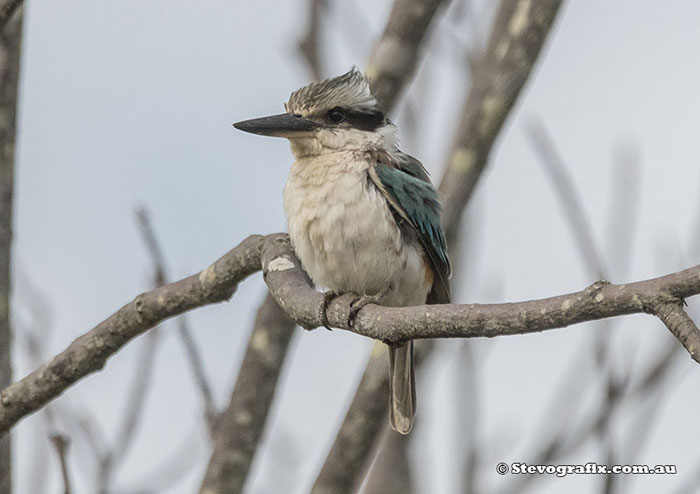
x: 337, y: 114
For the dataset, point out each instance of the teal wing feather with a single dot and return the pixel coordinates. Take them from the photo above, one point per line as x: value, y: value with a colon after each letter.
x: 407, y: 187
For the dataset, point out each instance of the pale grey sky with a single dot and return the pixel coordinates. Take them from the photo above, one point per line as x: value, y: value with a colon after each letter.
x: 130, y: 103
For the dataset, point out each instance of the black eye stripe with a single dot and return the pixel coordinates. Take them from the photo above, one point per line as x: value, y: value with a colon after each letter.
x: 365, y: 120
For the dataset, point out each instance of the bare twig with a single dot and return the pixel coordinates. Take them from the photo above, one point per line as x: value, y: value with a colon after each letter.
x: 470, y: 399
x: 191, y: 351
x: 90, y: 352
x: 60, y: 442
x: 571, y: 203
x: 168, y: 470
x: 194, y: 358
x: 309, y: 44
x: 10, y: 43
x: 573, y: 210
x: 681, y: 325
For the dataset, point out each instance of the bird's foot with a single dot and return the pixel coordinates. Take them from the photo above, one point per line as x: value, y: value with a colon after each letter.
x: 357, y: 305
x: 323, y: 308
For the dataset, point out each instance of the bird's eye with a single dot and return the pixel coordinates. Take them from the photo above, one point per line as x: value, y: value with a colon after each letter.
x: 336, y: 115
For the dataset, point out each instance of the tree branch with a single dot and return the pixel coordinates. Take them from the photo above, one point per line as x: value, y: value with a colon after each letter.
x: 60, y: 443
x: 518, y: 34
x: 231, y: 459
x: 361, y: 428
x: 290, y: 286
x: 184, y: 332
x: 309, y: 45
x: 10, y: 46
x: 90, y: 352
x: 287, y: 283
x: 7, y: 10
x: 519, y: 31
x: 240, y: 427
x: 396, y: 55
x: 680, y: 324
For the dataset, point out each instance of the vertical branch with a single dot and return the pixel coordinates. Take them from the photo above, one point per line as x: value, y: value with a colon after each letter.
x: 240, y: 426
x: 390, y: 472
x: 10, y: 42
x: 7, y: 10
x: 520, y: 29
x: 61, y: 445
x: 237, y: 440
x: 517, y: 36
x: 396, y: 55
x: 391, y: 66
x: 309, y: 44
x: 362, y: 427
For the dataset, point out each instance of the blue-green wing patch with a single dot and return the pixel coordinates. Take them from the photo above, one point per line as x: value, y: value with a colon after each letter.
x: 409, y: 191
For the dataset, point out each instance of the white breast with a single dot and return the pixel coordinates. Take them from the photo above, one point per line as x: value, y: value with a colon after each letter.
x: 344, y: 234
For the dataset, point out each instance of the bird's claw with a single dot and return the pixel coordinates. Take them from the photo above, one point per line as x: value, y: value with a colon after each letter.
x: 323, y: 308
x: 362, y: 300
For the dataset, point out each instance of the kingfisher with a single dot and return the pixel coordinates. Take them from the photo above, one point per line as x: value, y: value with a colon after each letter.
x: 363, y: 217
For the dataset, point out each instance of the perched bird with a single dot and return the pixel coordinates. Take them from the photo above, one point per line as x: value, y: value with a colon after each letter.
x: 362, y: 216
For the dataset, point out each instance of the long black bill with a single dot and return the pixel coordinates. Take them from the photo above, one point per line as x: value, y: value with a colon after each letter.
x: 282, y: 125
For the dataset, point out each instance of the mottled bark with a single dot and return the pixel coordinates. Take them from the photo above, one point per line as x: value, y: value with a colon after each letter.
x: 90, y: 352
x: 10, y: 43
x: 362, y: 428
x: 240, y: 427
x: 397, y: 53
x: 602, y: 299
x: 517, y: 36
x: 662, y: 297
x: 390, y: 68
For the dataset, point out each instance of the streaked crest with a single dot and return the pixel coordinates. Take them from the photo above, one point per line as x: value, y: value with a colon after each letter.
x: 350, y: 90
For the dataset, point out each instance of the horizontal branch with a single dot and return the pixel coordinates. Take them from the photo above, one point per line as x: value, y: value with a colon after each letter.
x: 90, y: 351
x: 289, y: 285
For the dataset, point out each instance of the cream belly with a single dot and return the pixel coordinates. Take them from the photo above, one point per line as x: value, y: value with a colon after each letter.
x: 344, y: 234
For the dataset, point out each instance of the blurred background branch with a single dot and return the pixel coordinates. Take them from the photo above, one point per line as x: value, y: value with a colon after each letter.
x: 494, y: 89
x: 610, y: 386
x: 7, y: 10
x: 309, y: 45
x: 10, y: 47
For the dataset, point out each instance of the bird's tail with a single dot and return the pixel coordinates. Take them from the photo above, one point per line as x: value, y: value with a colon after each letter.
x: 402, y: 387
